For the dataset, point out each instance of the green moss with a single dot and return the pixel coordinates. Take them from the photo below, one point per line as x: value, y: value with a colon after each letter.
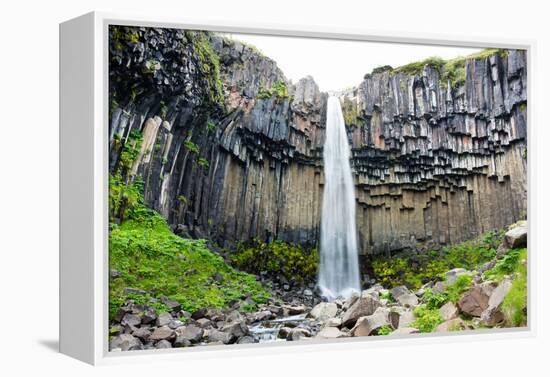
x: 350, y: 112
x: 416, y: 68
x: 150, y: 257
x: 210, y: 65
x: 203, y: 163
x: 211, y: 125
x: 280, y: 258
x: 426, y: 320
x: 382, y: 69
x: 453, y: 70
x: 419, y: 269
x: 130, y: 151
x: 278, y: 89
x: 191, y: 147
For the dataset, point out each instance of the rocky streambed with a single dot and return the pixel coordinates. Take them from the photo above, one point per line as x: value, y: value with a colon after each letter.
x: 459, y: 300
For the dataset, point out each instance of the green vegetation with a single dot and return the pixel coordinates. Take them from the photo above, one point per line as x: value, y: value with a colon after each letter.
x: 210, y: 125
x: 403, y: 271
x: 151, y: 258
x: 382, y: 69
x: 130, y: 151
x: 384, y: 330
x: 123, y: 34
x: 203, y: 163
x: 277, y: 257
x: 426, y: 319
x: 416, y: 68
x: 191, y: 147
x: 453, y: 293
x: 514, y: 265
x: 350, y: 112
x: 279, y: 89
x: 453, y: 70
x: 210, y: 65
x: 387, y: 296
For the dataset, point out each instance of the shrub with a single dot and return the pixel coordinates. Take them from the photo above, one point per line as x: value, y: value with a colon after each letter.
x: 279, y: 89
x: 507, y: 265
x: 384, y: 330
x: 426, y: 319
x: 277, y: 258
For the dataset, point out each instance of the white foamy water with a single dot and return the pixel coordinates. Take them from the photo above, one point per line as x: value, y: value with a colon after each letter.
x: 339, y: 265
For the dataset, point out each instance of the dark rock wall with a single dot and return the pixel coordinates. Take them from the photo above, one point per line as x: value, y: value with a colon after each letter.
x: 433, y: 164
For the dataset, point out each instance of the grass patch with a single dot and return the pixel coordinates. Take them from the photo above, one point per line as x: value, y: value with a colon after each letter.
x: 414, y: 271
x: 277, y: 258
x: 453, y: 70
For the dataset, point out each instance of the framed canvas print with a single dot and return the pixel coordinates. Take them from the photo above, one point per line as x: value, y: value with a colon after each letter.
x: 228, y: 188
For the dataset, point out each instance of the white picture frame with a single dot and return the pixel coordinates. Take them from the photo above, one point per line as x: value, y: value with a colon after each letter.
x: 84, y: 189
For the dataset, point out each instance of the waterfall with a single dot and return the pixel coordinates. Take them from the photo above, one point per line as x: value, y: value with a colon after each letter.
x: 339, y: 266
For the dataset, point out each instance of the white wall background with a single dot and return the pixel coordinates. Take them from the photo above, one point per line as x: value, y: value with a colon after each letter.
x: 29, y: 185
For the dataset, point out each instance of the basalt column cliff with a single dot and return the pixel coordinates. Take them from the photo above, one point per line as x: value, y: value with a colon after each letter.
x: 228, y: 149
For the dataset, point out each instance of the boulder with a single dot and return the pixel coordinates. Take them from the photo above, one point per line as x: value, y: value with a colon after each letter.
x: 452, y: 275
x: 333, y: 322
x: 364, y: 306
x: 399, y: 291
x: 125, y: 342
x: 448, y: 311
x: 142, y: 333
x: 171, y: 304
x: 405, y: 330
x: 330, y: 333
x: 216, y: 336
x: 148, y: 316
x: 454, y: 324
x: 246, y: 340
x: 163, y: 332
x: 439, y: 287
x: 284, y: 332
x: 492, y: 315
x: 181, y: 342
x: 408, y: 300
x: 517, y: 236
x: 323, y: 311
x: 474, y: 301
x: 192, y: 333
x: 204, y: 322
x: 200, y: 313
x: 405, y: 319
x: 235, y: 329
x: 263, y: 315
x: 163, y: 319
x: 298, y: 333
x: 295, y: 309
x: 131, y: 320
x: 163, y: 344
x: 367, y: 325
x: 175, y: 323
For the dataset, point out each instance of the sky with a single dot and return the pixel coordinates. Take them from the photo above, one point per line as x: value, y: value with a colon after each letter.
x: 338, y: 64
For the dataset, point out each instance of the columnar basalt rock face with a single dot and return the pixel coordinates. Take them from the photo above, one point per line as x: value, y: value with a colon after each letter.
x: 433, y: 164
x: 438, y: 165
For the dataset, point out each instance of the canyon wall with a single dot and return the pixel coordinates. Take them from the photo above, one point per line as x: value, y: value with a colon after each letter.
x: 230, y: 150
